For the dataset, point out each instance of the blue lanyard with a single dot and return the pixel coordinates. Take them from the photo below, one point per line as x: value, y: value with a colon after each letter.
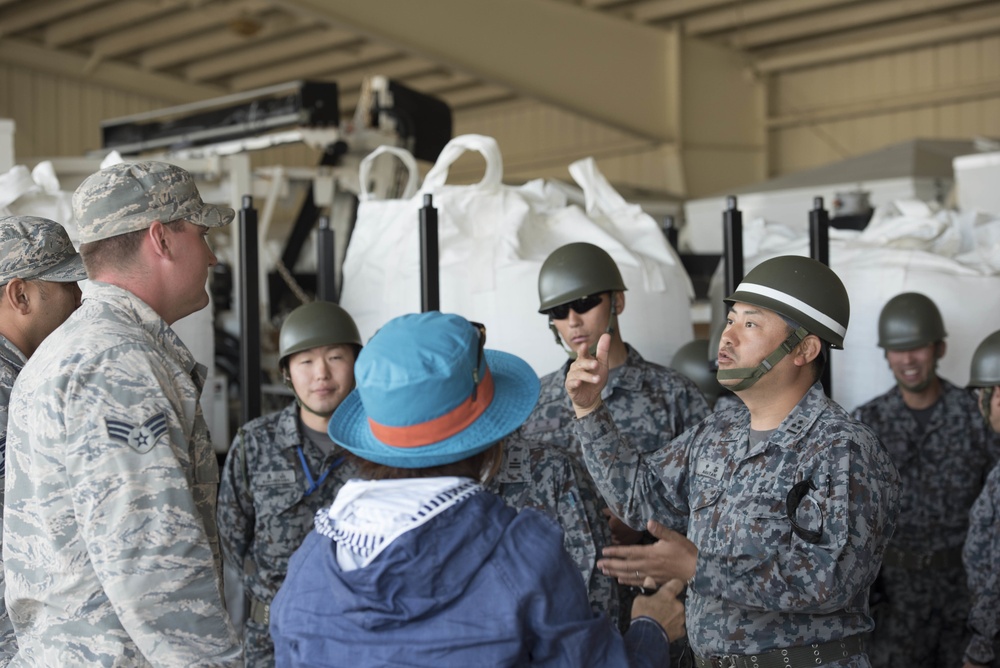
x: 314, y: 484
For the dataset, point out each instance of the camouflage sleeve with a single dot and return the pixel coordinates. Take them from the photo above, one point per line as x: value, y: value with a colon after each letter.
x: 632, y: 483
x: 772, y: 567
x: 133, y: 492
x: 235, y: 514
x: 981, y: 556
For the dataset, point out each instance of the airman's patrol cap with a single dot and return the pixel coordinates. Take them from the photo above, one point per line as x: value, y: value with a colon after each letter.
x: 129, y: 197
x: 37, y: 248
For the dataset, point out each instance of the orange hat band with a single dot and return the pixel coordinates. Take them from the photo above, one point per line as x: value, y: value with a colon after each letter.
x: 442, y: 427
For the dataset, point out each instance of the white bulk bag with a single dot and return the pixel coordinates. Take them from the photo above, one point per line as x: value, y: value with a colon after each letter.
x: 493, y: 239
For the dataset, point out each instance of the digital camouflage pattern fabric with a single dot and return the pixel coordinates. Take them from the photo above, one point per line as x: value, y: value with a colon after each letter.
x: 11, y: 363
x: 650, y: 403
x: 981, y: 556
x: 923, y: 596
x: 130, y: 196
x: 760, y: 585
x: 265, y: 512
x: 111, y: 547
x: 535, y: 475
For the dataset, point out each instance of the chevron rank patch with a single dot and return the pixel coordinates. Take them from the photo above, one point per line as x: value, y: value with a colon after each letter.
x: 140, y: 438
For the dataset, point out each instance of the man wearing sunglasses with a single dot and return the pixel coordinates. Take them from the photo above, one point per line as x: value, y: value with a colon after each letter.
x: 781, y: 510
x: 581, y: 292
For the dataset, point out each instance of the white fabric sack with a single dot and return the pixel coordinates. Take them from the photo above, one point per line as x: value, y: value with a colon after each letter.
x: 493, y: 239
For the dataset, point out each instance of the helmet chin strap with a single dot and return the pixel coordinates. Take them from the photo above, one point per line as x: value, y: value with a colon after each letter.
x: 749, y: 376
x: 985, y: 406
x: 610, y: 329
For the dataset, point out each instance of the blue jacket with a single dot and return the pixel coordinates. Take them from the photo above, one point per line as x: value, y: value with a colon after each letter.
x: 478, y: 585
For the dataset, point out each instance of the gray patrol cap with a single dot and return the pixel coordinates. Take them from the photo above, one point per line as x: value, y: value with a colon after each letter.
x: 39, y: 249
x: 129, y: 197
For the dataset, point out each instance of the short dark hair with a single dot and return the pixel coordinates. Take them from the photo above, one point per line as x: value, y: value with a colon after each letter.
x: 481, y: 466
x: 120, y: 250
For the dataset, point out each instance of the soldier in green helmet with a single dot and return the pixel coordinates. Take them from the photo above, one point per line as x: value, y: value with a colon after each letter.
x: 284, y: 467
x: 981, y: 553
x: 777, y: 513
x: 933, y: 431
x: 581, y: 293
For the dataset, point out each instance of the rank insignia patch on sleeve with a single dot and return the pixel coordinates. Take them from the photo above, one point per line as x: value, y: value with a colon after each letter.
x: 140, y: 438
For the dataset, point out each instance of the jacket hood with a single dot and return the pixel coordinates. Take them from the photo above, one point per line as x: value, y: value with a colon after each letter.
x: 422, y: 570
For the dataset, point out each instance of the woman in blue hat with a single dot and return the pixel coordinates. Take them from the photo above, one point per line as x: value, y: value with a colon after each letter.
x: 419, y: 565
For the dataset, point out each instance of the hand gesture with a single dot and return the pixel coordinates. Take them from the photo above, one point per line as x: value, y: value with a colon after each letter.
x: 587, y: 376
x: 664, y: 607
x: 672, y: 556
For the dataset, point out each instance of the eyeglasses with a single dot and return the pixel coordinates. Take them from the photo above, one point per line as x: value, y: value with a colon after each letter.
x: 579, y: 306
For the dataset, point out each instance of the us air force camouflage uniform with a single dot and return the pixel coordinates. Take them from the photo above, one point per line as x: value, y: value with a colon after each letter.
x: 535, y: 475
x: 11, y: 363
x: 981, y: 556
x: 942, y: 468
x: 759, y: 584
x: 265, y: 511
x: 111, y: 546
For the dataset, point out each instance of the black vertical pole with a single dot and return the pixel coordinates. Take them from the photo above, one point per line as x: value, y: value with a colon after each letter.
x: 732, y: 245
x: 430, y: 291
x: 670, y: 230
x: 326, y: 278
x: 249, y: 313
x: 819, y: 250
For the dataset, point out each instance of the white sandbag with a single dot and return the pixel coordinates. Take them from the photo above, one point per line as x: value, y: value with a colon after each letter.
x: 493, y: 239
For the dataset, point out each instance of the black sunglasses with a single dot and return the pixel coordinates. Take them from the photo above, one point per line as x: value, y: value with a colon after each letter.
x: 579, y: 306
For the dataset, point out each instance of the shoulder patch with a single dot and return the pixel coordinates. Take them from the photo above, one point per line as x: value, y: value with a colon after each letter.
x: 140, y: 438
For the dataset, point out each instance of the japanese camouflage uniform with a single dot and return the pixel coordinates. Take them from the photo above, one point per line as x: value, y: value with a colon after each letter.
x: 267, y: 504
x: 762, y: 583
x: 535, y: 475
x: 11, y: 363
x: 942, y: 469
x: 981, y: 556
x: 110, y: 540
x: 651, y: 405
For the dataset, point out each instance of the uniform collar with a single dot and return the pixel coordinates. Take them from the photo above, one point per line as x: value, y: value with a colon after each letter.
x: 10, y: 354
x: 142, y: 314
x: 796, y: 424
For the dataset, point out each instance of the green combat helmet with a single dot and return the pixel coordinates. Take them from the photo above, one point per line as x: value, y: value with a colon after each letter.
x: 575, y: 271
x: 310, y: 326
x: 909, y: 320
x: 313, y: 325
x: 692, y: 361
x: 799, y: 289
x: 985, y: 370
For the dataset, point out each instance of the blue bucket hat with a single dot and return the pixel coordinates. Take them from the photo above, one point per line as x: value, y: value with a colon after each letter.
x: 427, y: 394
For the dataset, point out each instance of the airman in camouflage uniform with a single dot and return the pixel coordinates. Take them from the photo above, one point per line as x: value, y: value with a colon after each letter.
x: 981, y: 553
x: 581, y: 291
x: 937, y: 440
x: 111, y: 547
x: 39, y: 269
x: 282, y: 468
x: 787, y: 504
